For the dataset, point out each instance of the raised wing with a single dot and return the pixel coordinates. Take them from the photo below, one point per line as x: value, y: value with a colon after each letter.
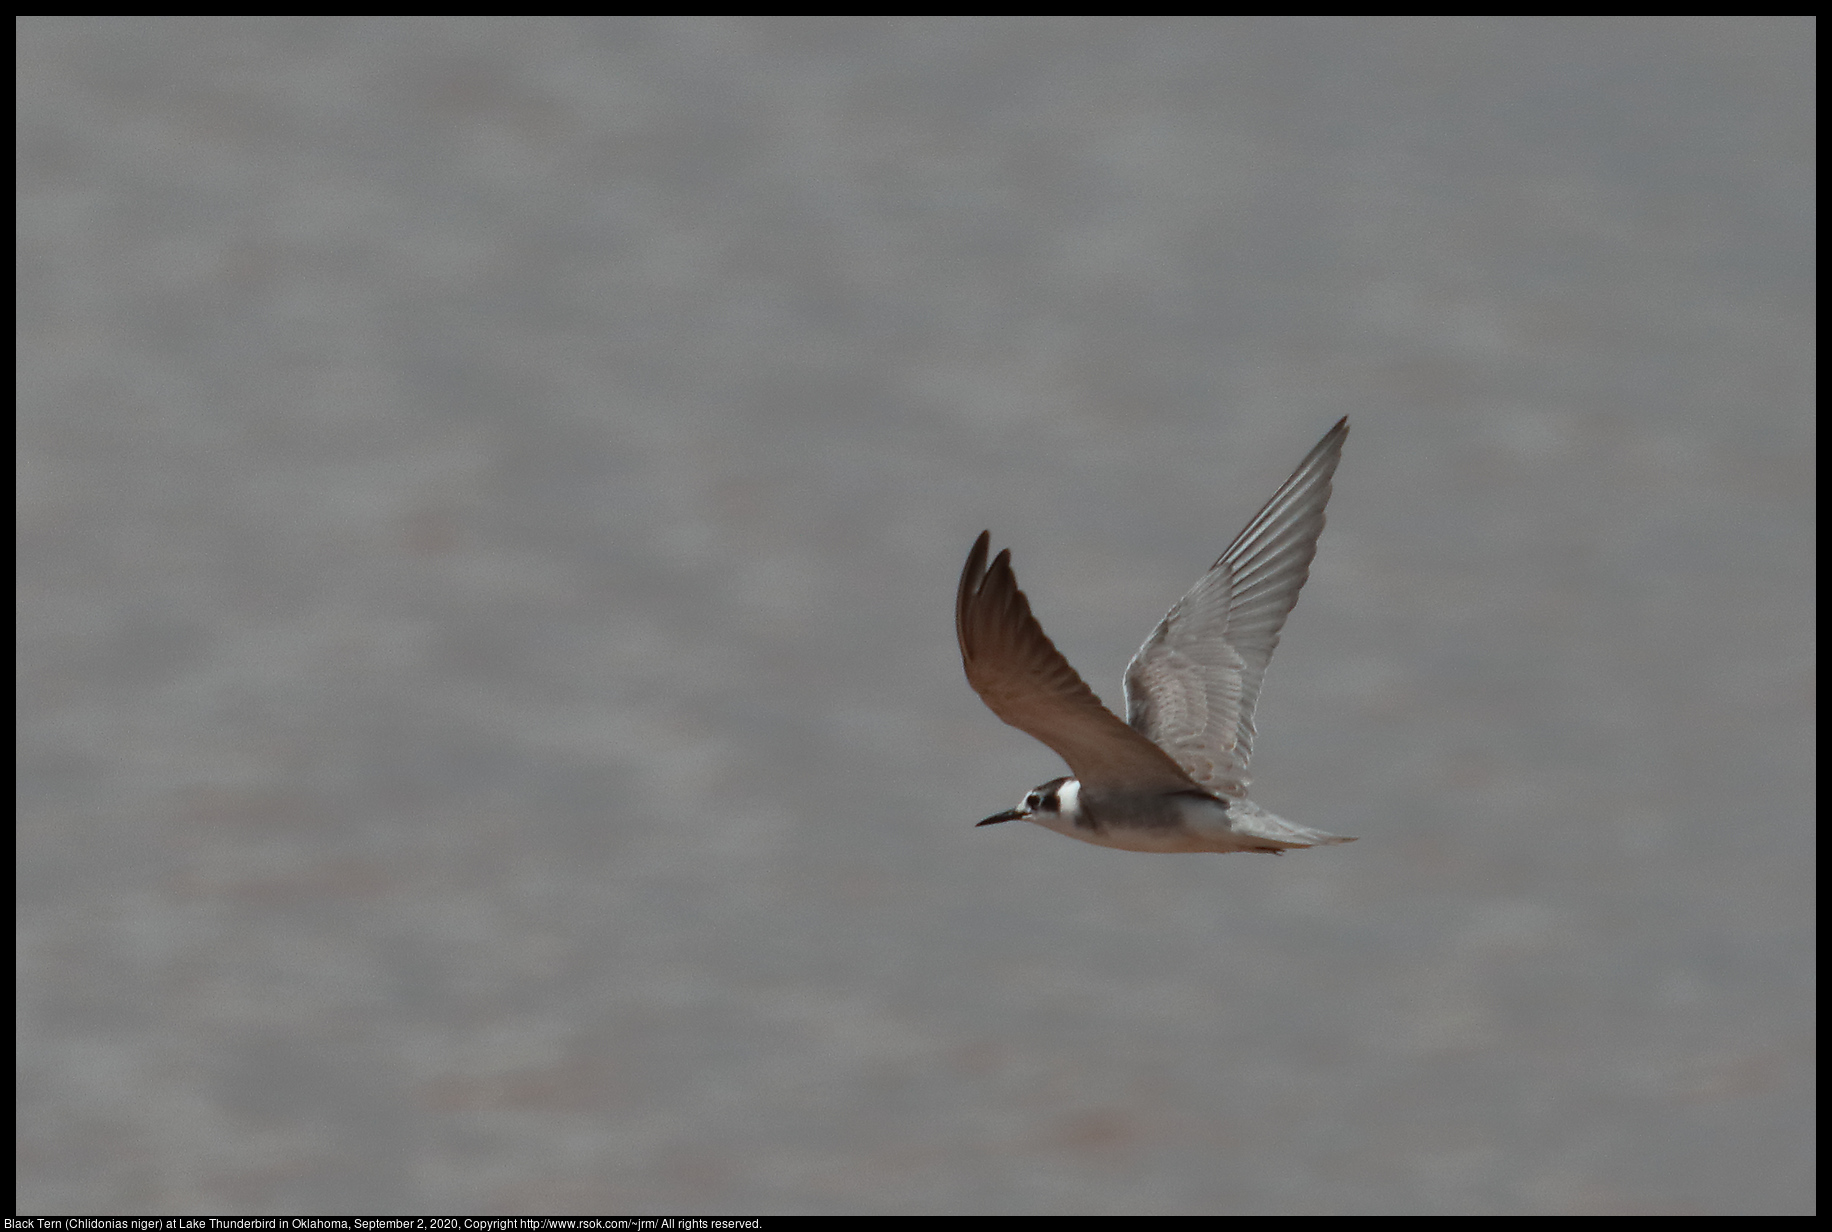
x: 1023, y: 678
x: 1192, y: 686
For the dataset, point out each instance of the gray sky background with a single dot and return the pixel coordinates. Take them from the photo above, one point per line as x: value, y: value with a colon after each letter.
x: 490, y: 492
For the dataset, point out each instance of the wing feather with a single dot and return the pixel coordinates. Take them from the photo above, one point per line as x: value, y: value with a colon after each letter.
x: 1192, y: 687
x: 1025, y: 680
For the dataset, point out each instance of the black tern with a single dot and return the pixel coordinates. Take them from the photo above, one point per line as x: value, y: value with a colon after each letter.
x: 1173, y: 777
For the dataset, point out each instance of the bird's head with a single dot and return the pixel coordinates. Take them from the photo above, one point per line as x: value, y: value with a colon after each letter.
x: 1047, y: 804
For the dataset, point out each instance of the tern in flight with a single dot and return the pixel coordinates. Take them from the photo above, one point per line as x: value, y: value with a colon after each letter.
x: 1173, y: 776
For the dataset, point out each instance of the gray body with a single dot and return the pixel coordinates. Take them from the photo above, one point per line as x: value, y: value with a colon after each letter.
x: 1153, y: 821
x: 1173, y: 777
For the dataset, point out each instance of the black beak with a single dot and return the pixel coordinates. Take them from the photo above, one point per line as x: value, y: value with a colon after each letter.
x: 995, y: 819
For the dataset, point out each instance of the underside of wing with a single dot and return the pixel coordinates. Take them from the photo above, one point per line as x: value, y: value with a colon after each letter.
x: 1192, y: 686
x: 1024, y: 679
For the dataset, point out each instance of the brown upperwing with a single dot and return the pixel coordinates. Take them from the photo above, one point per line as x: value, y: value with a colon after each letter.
x: 1021, y: 676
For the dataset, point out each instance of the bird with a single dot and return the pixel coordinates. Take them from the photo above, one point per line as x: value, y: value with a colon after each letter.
x: 1172, y: 777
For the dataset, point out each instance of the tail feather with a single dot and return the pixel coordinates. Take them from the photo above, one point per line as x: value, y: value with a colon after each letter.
x: 1247, y: 818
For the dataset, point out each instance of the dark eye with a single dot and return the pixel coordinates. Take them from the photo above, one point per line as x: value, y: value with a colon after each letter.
x: 1030, y: 801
